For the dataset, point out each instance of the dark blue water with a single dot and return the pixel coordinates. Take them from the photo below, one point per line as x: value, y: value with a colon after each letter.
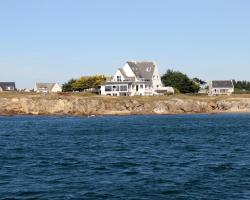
x: 134, y: 157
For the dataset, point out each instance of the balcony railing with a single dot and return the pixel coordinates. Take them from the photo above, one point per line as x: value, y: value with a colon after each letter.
x: 130, y: 80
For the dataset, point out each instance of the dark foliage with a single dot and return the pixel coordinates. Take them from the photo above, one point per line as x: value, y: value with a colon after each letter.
x: 180, y: 81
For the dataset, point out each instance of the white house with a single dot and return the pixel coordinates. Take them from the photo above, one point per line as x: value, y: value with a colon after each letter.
x: 135, y: 78
x: 47, y: 87
x: 221, y: 88
x: 7, y: 86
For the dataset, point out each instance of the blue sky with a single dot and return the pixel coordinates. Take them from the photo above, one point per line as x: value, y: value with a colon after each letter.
x: 55, y: 40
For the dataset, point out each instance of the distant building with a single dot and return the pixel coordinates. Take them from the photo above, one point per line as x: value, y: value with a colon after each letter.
x: 136, y: 78
x: 221, y: 88
x: 47, y: 87
x: 24, y: 90
x: 7, y: 86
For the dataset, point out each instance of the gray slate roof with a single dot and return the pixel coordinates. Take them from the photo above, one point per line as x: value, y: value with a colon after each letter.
x: 143, y: 70
x: 123, y: 73
x: 5, y: 85
x: 222, y: 84
x: 45, y: 86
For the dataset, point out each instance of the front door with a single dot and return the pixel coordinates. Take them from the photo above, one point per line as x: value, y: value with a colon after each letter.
x: 137, y: 88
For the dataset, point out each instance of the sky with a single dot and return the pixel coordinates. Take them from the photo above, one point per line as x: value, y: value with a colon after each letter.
x: 56, y: 40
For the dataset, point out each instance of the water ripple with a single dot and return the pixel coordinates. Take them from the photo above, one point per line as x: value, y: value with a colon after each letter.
x: 133, y: 157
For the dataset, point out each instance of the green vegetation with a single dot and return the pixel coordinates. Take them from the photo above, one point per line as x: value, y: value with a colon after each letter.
x: 199, y: 81
x: 181, y: 82
x: 84, y: 83
x: 241, y: 86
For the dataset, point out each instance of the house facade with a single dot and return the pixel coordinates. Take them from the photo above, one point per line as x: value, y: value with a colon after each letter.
x: 135, y: 78
x: 7, y: 86
x: 221, y: 88
x: 47, y: 88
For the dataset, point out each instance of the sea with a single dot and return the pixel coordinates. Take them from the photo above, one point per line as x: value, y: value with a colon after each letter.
x: 125, y: 157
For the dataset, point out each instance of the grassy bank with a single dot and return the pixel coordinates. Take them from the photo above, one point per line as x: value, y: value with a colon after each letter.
x: 140, y: 98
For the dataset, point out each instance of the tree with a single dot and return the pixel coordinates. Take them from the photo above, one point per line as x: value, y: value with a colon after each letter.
x: 180, y: 81
x: 242, y: 85
x: 84, y: 83
x: 67, y: 87
x: 199, y: 81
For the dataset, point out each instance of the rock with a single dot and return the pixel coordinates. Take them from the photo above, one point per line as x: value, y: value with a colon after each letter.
x: 80, y: 105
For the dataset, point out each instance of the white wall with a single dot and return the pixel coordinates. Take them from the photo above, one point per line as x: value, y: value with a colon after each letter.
x: 141, y: 91
x: 56, y: 88
x: 118, y: 73
x: 218, y: 91
x: 156, y: 78
x: 35, y: 88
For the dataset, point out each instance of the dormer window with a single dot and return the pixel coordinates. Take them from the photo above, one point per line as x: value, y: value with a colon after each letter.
x: 148, y: 69
x: 10, y: 88
x: 119, y: 78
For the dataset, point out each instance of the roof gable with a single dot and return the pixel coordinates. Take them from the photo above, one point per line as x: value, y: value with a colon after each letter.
x: 123, y: 73
x: 222, y: 84
x: 45, y: 86
x: 143, y: 70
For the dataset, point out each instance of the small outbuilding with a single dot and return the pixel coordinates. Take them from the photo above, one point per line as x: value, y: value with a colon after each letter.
x: 47, y: 87
x: 165, y: 90
x: 221, y: 88
x: 7, y: 86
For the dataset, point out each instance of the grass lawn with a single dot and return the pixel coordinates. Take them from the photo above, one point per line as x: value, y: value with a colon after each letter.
x: 69, y: 96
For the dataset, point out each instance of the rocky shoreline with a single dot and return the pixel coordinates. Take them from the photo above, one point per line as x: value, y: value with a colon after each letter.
x: 79, y: 105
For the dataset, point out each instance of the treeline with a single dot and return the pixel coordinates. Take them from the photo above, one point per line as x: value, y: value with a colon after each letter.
x: 242, y: 85
x: 181, y: 82
x: 84, y: 83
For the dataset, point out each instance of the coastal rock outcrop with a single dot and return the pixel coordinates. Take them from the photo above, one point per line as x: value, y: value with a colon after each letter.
x: 70, y: 104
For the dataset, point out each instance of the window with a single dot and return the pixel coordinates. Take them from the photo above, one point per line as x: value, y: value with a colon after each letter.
x: 223, y: 90
x: 148, y: 69
x: 116, y: 88
x: 108, y: 88
x: 119, y: 78
x: 141, y: 86
x: 123, y: 94
x: 123, y: 88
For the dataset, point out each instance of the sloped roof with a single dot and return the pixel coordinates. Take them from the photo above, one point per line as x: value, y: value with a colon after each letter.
x: 222, y: 84
x: 5, y: 85
x: 45, y: 86
x: 123, y: 73
x: 144, y: 70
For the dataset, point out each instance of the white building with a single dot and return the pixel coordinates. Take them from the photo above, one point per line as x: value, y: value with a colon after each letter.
x: 135, y: 78
x: 7, y: 86
x: 47, y: 87
x: 221, y: 88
